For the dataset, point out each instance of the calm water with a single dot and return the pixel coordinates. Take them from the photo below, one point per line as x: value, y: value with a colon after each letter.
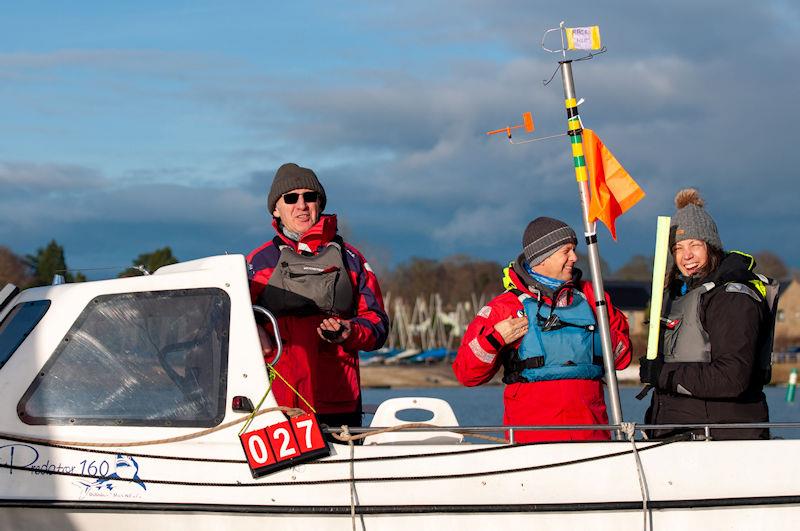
x: 484, y: 405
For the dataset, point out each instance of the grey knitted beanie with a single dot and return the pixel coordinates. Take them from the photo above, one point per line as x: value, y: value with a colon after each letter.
x: 691, y: 221
x: 290, y: 177
x: 544, y: 236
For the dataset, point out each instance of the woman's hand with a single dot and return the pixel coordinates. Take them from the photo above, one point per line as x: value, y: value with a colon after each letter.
x: 512, y: 328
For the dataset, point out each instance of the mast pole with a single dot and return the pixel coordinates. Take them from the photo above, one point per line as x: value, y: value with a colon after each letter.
x: 575, y: 133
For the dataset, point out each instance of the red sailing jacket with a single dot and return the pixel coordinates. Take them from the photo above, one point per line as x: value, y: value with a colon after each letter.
x: 538, y: 403
x: 325, y: 374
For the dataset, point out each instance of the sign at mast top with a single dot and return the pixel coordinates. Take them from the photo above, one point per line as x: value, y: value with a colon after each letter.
x: 585, y: 38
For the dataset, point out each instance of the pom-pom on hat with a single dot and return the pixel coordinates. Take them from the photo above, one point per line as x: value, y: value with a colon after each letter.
x: 691, y: 221
x: 290, y: 177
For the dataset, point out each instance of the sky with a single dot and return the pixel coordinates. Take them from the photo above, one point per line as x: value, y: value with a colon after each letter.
x: 129, y: 126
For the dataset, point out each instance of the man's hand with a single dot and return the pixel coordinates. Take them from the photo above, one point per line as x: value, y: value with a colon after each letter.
x: 334, y: 330
x: 650, y: 370
x: 512, y: 328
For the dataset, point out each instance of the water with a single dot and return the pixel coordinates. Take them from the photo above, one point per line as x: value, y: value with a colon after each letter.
x: 483, y: 406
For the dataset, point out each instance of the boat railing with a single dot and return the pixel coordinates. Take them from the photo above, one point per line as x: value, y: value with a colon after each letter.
x: 625, y: 427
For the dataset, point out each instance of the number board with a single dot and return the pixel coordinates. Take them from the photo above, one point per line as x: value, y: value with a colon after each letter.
x: 284, y: 445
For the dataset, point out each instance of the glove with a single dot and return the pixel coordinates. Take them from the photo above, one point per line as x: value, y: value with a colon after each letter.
x: 650, y: 370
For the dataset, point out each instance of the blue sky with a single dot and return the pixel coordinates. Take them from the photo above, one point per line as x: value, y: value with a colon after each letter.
x: 127, y: 126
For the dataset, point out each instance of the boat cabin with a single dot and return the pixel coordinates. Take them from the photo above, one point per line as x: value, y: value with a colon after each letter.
x: 163, y: 351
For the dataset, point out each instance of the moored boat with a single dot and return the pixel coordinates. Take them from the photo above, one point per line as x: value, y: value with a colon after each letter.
x: 121, y: 403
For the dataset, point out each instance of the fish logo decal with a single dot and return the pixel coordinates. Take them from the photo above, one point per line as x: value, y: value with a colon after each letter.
x: 126, y: 471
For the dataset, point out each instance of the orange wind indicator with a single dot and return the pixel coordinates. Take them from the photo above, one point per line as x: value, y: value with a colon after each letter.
x: 527, y: 123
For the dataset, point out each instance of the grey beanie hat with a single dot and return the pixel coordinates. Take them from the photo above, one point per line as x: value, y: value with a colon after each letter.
x: 691, y: 221
x: 290, y: 177
x: 543, y: 237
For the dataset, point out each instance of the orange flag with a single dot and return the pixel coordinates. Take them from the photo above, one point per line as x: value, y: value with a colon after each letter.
x: 613, y: 190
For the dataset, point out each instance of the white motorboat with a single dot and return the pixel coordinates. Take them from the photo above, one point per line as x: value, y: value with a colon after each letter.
x: 92, y: 370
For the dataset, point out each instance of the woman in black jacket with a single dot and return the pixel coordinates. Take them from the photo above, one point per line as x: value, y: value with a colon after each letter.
x: 715, y: 337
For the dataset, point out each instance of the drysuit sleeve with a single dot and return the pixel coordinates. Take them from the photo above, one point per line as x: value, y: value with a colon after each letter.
x: 620, y: 336
x: 733, y: 322
x: 478, y: 357
x: 370, y: 326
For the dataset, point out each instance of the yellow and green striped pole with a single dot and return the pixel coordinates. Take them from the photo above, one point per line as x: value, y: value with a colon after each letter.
x: 575, y: 134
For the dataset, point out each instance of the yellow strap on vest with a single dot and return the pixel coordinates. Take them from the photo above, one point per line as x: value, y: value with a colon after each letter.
x: 507, y: 282
x: 759, y: 285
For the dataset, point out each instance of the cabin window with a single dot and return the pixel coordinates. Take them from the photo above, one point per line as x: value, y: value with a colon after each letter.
x: 17, y: 325
x: 138, y: 359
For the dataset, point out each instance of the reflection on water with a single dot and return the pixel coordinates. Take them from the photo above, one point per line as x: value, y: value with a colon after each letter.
x: 483, y: 405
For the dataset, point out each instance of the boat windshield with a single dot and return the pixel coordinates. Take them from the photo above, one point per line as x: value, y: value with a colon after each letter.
x: 142, y: 359
x: 17, y: 325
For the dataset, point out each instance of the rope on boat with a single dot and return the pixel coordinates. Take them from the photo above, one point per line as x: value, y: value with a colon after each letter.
x: 290, y: 411
x: 463, y: 475
x: 53, y: 444
x: 629, y: 429
x: 351, y: 444
x: 271, y: 374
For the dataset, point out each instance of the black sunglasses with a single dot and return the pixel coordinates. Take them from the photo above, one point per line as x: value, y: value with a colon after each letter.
x: 292, y: 197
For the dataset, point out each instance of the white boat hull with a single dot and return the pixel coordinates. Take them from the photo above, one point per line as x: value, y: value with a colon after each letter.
x: 550, y: 486
x: 198, y: 479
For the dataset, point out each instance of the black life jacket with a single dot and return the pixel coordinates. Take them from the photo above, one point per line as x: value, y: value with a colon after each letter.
x: 304, y: 284
x: 683, y: 338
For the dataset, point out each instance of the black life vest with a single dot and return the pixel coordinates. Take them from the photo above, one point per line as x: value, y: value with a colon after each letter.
x: 304, y: 284
x: 683, y: 338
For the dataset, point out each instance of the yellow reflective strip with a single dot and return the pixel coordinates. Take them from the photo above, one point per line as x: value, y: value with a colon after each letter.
x: 748, y: 256
x: 596, y: 37
x: 570, y: 40
x: 762, y: 289
x: 580, y: 174
x: 507, y: 282
x: 574, y: 124
x: 570, y: 102
x: 577, y: 150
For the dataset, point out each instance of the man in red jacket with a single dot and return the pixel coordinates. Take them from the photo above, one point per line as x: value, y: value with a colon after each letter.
x: 325, y: 296
x: 543, y: 331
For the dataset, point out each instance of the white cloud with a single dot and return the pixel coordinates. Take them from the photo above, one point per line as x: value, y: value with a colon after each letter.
x: 47, y: 177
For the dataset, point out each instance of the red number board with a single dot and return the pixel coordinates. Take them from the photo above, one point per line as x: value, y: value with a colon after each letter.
x: 283, y: 445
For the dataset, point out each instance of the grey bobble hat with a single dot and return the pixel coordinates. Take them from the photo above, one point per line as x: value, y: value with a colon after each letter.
x: 544, y: 236
x: 691, y: 221
x: 290, y: 177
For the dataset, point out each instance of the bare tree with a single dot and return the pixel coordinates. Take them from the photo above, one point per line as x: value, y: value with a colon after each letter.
x: 583, y: 265
x: 771, y: 265
x: 13, y: 269
x: 639, y: 267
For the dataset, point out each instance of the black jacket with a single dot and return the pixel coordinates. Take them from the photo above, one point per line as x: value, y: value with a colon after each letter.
x: 730, y: 387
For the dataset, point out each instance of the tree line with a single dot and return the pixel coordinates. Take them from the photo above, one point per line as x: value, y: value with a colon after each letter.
x: 40, y: 268
x: 455, y: 278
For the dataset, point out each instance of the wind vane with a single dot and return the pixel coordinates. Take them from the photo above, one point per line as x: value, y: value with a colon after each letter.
x: 527, y: 123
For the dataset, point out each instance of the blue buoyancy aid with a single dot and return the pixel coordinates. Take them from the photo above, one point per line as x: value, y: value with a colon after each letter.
x: 561, y: 343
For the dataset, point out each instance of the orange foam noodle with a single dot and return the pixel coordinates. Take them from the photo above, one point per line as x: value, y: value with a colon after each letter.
x: 527, y: 120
